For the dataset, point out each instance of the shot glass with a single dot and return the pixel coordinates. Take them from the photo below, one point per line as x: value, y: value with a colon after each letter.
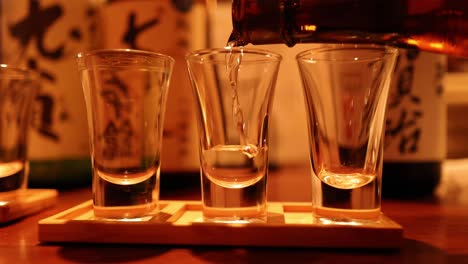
x: 125, y: 93
x: 345, y: 89
x: 234, y: 90
x: 18, y: 90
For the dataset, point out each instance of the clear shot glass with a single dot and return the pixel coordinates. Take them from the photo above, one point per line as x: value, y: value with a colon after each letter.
x: 345, y: 89
x: 234, y: 90
x: 18, y: 89
x: 125, y: 93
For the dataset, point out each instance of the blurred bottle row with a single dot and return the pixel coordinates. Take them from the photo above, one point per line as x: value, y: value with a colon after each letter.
x: 45, y: 36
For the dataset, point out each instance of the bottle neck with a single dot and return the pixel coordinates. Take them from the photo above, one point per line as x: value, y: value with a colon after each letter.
x: 258, y: 22
x: 291, y: 21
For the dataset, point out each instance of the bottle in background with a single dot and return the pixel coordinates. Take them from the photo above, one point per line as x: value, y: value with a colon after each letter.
x: 416, y: 126
x: 44, y: 36
x: 437, y: 26
x: 173, y: 28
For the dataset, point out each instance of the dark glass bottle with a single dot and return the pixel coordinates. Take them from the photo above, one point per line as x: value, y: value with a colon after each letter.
x: 416, y: 126
x: 437, y: 26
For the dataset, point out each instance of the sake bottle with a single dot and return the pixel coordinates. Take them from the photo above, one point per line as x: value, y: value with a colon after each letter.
x: 416, y: 126
x: 44, y: 36
x: 437, y: 26
x: 170, y: 27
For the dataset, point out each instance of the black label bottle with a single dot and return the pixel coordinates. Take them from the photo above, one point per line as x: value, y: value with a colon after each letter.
x: 416, y: 126
x: 438, y: 26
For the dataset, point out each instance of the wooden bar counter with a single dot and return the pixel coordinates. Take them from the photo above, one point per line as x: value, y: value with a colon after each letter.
x: 435, y: 230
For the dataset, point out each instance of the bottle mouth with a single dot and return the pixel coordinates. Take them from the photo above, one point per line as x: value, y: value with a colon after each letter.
x: 237, y: 11
x: 236, y: 40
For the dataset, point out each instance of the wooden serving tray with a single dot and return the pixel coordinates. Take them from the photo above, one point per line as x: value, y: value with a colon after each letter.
x: 180, y: 223
x: 17, y: 204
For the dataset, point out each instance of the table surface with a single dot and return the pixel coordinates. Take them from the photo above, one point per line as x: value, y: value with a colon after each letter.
x: 435, y: 231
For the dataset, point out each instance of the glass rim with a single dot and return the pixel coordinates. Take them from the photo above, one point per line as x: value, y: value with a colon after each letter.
x: 387, y: 51
x: 19, y: 71
x: 199, y: 55
x: 82, y: 56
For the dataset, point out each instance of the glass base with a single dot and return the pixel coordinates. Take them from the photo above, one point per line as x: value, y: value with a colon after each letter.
x: 234, y: 220
x: 125, y: 213
x: 333, y: 216
x: 234, y: 215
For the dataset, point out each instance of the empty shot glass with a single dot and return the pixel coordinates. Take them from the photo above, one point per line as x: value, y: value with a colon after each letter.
x: 18, y: 88
x: 345, y: 89
x: 234, y: 93
x: 125, y: 93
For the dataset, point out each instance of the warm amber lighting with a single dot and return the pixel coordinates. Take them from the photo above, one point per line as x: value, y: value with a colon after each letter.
x: 309, y: 27
x: 412, y: 42
x: 426, y: 44
x: 436, y: 45
x: 11, y: 168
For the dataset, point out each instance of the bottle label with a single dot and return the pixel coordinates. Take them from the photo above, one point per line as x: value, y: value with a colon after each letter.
x: 163, y: 27
x: 416, y: 111
x: 45, y: 35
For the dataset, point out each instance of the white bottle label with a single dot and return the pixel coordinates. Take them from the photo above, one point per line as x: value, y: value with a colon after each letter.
x: 416, y: 111
x: 164, y: 27
x: 45, y: 35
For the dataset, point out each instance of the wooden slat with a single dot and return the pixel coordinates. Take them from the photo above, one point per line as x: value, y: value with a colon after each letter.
x: 174, y: 210
x: 69, y: 214
x: 14, y: 205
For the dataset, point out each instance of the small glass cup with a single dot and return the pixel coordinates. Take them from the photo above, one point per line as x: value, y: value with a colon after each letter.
x: 18, y: 89
x: 345, y: 88
x: 234, y: 90
x: 125, y: 93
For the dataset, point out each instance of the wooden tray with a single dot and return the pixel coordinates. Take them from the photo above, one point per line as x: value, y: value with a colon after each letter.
x: 180, y: 223
x: 17, y: 204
